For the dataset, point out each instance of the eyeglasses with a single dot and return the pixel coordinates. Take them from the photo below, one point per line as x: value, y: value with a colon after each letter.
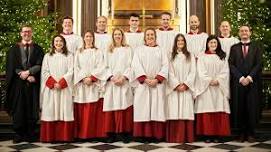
x: 26, y: 31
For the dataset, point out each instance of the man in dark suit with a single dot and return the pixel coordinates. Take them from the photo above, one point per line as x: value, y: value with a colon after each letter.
x: 245, y: 67
x: 23, y: 66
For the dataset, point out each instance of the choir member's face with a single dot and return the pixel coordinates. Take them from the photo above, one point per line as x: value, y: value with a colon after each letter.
x: 67, y: 24
x: 244, y: 32
x: 134, y: 22
x: 165, y: 20
x: 88, y: 38
x: 225, y: 28
x: 117, y: 36
x: 26, y: 34
x: 150, y: 37
x: 101, y: 24
x: 58, y: 44
x: 194, y: 22
x: 180, y: 42
x: 212, y: 45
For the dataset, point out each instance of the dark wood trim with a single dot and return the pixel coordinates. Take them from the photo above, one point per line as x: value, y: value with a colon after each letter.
x: 89, y: 15
x: 198, y: 7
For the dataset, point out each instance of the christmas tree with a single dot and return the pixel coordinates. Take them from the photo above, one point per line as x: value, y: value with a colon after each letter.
x: 14, y: 13
x: 256, y: 14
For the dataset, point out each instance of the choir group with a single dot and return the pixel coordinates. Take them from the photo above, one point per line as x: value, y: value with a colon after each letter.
x: 151, y: 86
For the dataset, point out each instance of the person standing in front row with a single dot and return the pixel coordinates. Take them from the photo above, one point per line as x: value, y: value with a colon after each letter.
x: 246, y: 66
x: 118, y: 98
x: 150, y: 66
x: 88, y: 72
x: 57, y: 119
x: 180, y: 102
x: 23, y: 67
x: 212, y: 95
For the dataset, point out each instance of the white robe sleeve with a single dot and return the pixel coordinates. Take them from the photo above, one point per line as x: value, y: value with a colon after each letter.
x: 190, y: 80
x: 137, y: 67
x: 223, y: 79
x: 69, y: 75
x: 99, y: 71
x: 203, y: 79
x: 79, y: 73
x: 164, y: 70
x: 128, y: 71
x: 45, y: 74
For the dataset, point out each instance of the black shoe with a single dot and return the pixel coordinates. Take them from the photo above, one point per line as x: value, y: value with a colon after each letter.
x: 17, y: 139
x: 110, y: 139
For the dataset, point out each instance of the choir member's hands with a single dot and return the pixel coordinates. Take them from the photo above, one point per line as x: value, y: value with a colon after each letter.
x: 245, y: 81
x: 87, y: 81
x: 57, y: 86
x: 151, y: 82
x: 31, y: 79
x: 120, y: 81
x: 24, y: 74
x: 214, y: 83
x: 181, y: 88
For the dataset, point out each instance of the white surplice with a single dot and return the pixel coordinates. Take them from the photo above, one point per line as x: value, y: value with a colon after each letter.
x: 180, y: 105
x: 134, y: 40
x: 165, y: 39
x: 118, y: 63
x: 57, y: 104
x: 74, y: 42
x: 226, y: 44
x: 196, y: 43
x: 88, y: 62
x: 102, y: 41
x: 212, y: 98
x: 149, y: 103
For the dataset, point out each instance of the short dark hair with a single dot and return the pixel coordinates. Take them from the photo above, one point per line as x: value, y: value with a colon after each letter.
x: 166, y: 13
x: 68, y: 17
x: 247, y: 25
x: 65, y: 50
x: 134, y: 15
x: 25, y: 25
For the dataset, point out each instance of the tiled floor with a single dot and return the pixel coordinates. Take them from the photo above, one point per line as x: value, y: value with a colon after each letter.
x: 260, y: 146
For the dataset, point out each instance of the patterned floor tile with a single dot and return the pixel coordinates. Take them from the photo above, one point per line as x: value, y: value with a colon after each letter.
x: 253, y: 149
x: 121, y: 144
x: 227, y: 147
x: 145, y: 147
x: 104, y: 147
x: 167, y: 150
x: 123, y: 150
x: 40, y: 149
x: 186, y: 147
x: 164, y: 144
x: 24, y: 146
x: 242, y: 144
x: 267, y: 142
x: 82, y: 149
x: 262, y: 145
x: 87, y: 144
x: 209, y: 149
x: 6, y: 149
x: 203, y: 144
x: 64, y: 147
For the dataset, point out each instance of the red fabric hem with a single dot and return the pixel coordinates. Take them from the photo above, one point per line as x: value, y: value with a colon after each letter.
x: 51, y: 131
x: 93, y: 78
x: 149, y: 129
x: 179, y: 131
x: 120, y: 121
x: 85, y: 118
x: 213, y: 124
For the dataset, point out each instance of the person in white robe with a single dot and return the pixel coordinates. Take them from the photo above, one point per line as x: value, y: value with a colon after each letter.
x: 74, y: 41
x: 102, y: 38
x: 57, y: 120
x: 180, y: 102
x: 195, y: 39
x: 212, y: 94
x: 134, y: 36
x: 118, y: 97
x: 225, y: 38
x: 150, y: 66
x: 88, y: 73
x: 166, y: 34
